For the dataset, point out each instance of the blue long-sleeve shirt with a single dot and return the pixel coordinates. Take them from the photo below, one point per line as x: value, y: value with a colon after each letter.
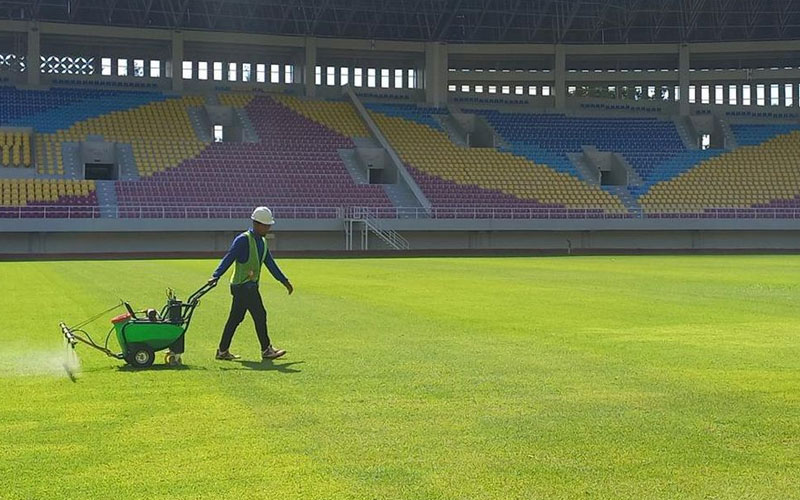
x: 240, y: 251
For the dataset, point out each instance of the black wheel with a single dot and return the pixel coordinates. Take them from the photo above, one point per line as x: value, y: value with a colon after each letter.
x: 140, y: 356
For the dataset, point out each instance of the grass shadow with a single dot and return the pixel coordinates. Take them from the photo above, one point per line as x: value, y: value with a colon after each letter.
x: 269, y: 366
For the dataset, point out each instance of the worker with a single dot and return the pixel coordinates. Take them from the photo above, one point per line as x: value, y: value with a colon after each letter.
x: 248, y: 251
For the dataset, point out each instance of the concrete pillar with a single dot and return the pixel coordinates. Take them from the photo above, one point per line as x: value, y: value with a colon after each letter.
x: 420, y: 67
x: 34, y: 56
x: 310, y: 67
x: 436, y: 74
x: 560, y: 74
x: 795, y: 95
x: 177, y: 61
x: 781, y: 94
x: 683, y: 80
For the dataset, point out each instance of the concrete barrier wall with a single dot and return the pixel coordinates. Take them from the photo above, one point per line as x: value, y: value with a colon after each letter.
x: 215, y: 243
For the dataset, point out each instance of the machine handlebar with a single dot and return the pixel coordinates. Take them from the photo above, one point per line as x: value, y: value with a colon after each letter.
x: 193, y: 298
x: 130, y: 310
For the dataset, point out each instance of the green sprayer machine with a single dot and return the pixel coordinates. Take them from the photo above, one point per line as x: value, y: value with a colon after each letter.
x: 140, y: 334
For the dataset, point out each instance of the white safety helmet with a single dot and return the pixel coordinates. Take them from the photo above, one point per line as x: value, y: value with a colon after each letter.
x: 263, y: 215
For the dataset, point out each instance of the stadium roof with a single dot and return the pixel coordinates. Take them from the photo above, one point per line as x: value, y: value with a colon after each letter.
x: 454, y: 21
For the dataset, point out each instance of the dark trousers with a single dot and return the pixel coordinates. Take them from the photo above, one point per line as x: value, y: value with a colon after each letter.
x: 245, y: 298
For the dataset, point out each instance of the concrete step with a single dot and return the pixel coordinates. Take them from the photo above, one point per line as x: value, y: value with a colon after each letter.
x: 634, y: 178
x: 683, y: 132
x: 730, y: 139
x: 249, y: 133
x: 402, y: 197
x: 107, y: 198
x: 200, y: 124
x: 583, y: 169
x: 128, y: 171
x: 625, y: 197
x: 70, y: 153
x: 455, y: 137
x: 348, y: 156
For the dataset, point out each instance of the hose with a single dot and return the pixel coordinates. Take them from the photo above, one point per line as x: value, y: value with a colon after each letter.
x: 94, y: 318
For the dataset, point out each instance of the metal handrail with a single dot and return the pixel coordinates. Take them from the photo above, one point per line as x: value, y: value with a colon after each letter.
x: 390, y: 236
x: 383, y: 213
x: 378, y: 214
x: 162, y: 212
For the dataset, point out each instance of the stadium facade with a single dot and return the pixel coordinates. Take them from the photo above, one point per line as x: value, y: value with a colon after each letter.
x: 160, y: 139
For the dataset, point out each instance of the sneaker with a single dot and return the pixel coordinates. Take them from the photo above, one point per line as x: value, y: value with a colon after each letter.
x: 226, y: 355
x: 272, y: 353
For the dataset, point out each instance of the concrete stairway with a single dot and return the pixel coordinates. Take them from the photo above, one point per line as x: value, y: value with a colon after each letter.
x: 684, y: 133
x: 200, y: 124
x: 625, y: 197
x: 634, y: 179
x: 447, y: 125
x: 126, y: 163
x: 70, y: 152
x: 584, y: 170
x: 404, y: 176
x: 348, y: 156
x: 249, y: 133
x: 727, y: 133
x: 399, y: 193
x: 402, y: 197
x: 107, y: 198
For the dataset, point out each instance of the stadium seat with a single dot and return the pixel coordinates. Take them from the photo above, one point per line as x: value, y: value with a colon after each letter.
x: 466, y: 178
x: 758, y: 176
x: 294, y: 164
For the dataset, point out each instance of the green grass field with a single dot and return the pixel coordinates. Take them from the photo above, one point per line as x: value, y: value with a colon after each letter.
x: 475, y: 378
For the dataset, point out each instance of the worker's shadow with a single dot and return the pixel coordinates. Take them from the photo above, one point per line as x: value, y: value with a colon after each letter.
x: 270, y: 366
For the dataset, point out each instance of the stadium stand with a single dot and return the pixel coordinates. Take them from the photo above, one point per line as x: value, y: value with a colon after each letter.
x: 763, y: 175
x: 340, y: 116
x: 455, y: 176
x: 752, y: 134
x: 157, y: 127
x: 159, y: 132
x: 31, y: 197
x: 16, y: 149
x: 645, y: 142
x: 410, y: 112
x: 59, y: 108
x: 676, y: 180
x: 298, y: 145
x: 294, y: 164
x: 664, y: 167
